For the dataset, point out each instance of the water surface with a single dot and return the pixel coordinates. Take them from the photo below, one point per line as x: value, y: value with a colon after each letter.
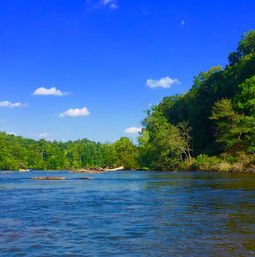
x: 128, y: 214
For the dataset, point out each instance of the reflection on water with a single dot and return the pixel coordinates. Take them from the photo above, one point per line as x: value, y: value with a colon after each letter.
x: 128, y: 214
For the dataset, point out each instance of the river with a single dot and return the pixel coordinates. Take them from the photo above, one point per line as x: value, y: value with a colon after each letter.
x: 128, y: 213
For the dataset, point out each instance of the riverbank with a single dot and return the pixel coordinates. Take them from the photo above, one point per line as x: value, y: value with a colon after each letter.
x: 239, y: 162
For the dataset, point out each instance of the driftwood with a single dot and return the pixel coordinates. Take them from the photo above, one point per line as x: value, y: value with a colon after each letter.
x: 96, y: 170
x: 86, y: 171
x: 116, y: 169
x: 48, y: 178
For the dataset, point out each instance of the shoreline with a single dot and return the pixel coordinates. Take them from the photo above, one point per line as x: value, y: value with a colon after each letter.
x: 95, y: 171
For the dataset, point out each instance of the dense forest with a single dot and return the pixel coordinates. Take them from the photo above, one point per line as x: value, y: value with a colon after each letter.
x: 216, y: 117
x: 19, y: 153
x: 210, y: 127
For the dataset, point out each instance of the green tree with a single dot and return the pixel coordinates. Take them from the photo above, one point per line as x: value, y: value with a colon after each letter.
x: 126, y: 153
x: 229, y: 124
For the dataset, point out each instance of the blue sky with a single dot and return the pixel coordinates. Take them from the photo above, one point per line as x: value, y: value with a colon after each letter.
x: 97, y: 65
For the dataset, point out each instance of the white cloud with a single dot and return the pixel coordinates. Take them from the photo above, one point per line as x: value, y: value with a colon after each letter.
x: 43, y: 135
x: 97, y: 4
x: 113, y: 6
x: 182, y: 22
x: 7, y: 104
x: 11, y: 133
x: 111, y: 3
x: 163, y: 82
x: 133, y: 130
x: 49, y: 91
x: 75, y: 112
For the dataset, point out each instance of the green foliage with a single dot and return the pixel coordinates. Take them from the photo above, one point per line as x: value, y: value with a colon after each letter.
x: 247, y: 44
x: 126, y: 153
x: 245, y: 99
x: 245, y: 47
x: 19, y: 153
x: 204, y: 162
x: 219, y: 113
x: 162, y: 145
x: 229, y: 129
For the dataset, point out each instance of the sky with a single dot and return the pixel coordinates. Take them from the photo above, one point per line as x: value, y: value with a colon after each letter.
x: 73, y: 69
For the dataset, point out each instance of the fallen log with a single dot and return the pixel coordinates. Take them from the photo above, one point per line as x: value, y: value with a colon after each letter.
x: 48, y: 178
x: 116, y: 169
x: 86, y: 171
x: 97, y: 170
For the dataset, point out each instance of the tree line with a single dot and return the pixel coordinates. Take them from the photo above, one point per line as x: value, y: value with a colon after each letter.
x: 215, y: 118
x: 19, y: 153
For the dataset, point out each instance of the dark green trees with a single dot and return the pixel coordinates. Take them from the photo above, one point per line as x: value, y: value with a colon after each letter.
x: 161, y: 144
x: 245, y: 47
x: 218, y: 113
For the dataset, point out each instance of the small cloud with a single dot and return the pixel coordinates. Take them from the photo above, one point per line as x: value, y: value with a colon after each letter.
x: 75, y: 112
x: 182, y: 23
x: 97, y: 4
x: 133, y: 130
x: 163, y: 82
x: 111, y: 3
x: 7, y: 104
x: 11, y: 133
x: 43, y: 135
x: 49, y: 91
x: 113, y: 6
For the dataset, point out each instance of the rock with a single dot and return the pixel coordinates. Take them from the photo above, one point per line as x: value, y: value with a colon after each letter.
x: 48, y: 178
x: 86, y: 178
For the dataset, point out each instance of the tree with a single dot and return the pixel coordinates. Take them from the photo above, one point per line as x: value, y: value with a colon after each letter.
x: 229, y: 129
x: 161, y: 142
x: 185, y: 139
x: 247, y: 44
x: 245, y: 99
x: 126, y: 153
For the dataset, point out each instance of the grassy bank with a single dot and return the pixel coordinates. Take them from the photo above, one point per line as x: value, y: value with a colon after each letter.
x: 238, y: 162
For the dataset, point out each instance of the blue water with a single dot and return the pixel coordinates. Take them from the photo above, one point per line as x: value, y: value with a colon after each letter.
x: 128, y: 213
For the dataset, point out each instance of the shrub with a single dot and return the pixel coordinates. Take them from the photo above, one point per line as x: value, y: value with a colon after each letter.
x: 206, y: 163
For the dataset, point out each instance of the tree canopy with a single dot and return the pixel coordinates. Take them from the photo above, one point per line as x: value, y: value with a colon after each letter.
x: 219, y: 112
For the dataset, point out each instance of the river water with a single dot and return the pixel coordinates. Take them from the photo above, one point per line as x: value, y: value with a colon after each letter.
x: 128, y: 213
